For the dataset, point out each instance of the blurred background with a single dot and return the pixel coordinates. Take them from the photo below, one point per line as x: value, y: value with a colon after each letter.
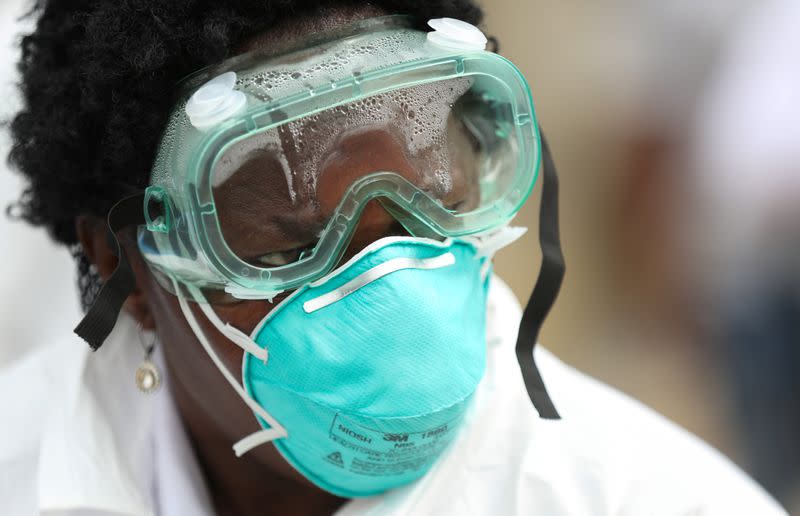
x: 672, y: 125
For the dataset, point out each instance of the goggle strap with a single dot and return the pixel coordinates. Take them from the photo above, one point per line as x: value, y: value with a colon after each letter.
x: 100, y: 319
x: 545, y: 292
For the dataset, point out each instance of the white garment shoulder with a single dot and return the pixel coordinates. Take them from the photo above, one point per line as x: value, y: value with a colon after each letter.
x: 609, y: 455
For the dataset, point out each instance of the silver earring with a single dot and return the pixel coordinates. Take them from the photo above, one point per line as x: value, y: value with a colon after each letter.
x: 148, y: 378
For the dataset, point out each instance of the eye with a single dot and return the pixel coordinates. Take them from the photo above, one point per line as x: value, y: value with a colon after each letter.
x: 280, y: 258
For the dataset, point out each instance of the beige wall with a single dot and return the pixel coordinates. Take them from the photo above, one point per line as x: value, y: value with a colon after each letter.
x: 556, y: 48
x: 577, y: 57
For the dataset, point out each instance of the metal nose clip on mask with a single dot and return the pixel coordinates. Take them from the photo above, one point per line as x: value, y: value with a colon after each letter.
x: 360, y: 376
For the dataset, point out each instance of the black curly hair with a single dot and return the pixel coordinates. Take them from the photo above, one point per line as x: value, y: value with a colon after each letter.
x: 97, y: 79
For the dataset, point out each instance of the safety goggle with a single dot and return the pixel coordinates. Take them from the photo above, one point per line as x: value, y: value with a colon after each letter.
x: 268, y: 163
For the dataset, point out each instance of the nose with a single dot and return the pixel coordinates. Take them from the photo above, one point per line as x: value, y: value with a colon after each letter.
x: 375, y: 223
x: 358, y: 154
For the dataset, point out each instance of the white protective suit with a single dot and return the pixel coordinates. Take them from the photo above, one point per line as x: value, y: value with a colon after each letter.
x: 78, y: 439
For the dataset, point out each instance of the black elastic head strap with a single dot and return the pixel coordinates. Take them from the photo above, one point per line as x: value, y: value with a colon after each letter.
x: 100, y: 319
x: 545, y: 292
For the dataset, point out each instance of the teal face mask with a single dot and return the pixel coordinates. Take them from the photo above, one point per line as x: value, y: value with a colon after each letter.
x: 370, y: 370
x: 362, y: 378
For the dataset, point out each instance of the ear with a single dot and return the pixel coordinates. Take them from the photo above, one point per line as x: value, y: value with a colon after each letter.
x: 93, y: 236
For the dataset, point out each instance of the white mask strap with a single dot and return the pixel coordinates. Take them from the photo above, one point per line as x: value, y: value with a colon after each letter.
x: 490, y: 242
x: 276, y: 431
x: 234, y: 334
x: 256, y: 439
x: 376, y: 273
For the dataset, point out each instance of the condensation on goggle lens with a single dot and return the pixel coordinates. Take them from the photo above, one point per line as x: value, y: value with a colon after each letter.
x: 318, y: 66
x: 420, y: 113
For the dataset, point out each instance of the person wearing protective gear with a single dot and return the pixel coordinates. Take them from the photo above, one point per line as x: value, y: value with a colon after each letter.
x: 271, y: 166
x: 310, y: 260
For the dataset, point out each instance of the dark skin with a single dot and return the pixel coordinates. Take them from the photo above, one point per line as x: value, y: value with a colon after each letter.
x: 213, y: 414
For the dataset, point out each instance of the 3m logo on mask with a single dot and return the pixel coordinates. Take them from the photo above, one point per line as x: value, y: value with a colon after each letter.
x: 403, y: 438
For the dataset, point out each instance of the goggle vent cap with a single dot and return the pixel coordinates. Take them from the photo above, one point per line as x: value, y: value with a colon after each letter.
x: 215, y: 102
x: 453, y: 33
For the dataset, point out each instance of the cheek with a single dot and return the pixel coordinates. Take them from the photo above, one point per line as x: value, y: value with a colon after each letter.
x: 242, y: 316
x: 185, y: 355
x: 204, y: 396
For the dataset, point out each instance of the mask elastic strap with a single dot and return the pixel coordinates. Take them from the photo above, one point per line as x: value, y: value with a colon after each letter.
x: 276, y: 430
x: 234, y: 334
x: 545, y: 292
x: 101, y: 317
x: 488, y: 244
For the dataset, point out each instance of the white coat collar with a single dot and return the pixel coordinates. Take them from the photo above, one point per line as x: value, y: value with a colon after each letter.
x: 97, y: 449
x: 110, y: 448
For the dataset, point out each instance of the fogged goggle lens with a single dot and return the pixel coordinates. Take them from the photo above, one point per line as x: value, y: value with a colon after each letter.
x: 275, y: 191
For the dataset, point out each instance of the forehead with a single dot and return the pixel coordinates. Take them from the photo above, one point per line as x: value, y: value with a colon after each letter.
x: 303, y: 24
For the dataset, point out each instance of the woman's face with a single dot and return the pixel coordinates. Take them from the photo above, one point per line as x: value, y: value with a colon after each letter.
x: 210, y: 408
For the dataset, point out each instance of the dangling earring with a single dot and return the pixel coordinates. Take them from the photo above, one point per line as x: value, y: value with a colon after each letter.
x: 148, y: 379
